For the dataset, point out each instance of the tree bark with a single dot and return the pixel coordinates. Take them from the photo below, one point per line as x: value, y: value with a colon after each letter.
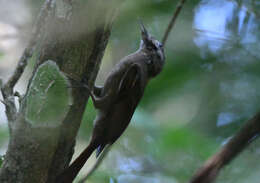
x: 71, y: 45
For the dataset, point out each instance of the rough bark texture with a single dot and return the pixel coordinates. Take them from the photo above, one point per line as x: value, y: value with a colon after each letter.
x: 75, y: 39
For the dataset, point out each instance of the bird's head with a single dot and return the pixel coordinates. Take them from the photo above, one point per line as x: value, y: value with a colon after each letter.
x: 154, y: 50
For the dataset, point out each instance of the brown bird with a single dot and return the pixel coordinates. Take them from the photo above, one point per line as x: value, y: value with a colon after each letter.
x: 117, y: 100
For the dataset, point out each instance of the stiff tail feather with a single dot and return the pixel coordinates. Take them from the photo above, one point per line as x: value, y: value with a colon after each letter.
x: 101, y: 156
x: 69, y: 174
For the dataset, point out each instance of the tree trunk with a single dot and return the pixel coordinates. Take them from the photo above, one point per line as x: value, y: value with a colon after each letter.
x: 42, y: 134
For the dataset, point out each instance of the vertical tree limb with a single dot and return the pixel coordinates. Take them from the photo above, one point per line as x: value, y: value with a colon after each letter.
x: 73, y: 45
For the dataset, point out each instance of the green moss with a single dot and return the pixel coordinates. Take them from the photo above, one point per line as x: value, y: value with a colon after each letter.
x: 48, y: 96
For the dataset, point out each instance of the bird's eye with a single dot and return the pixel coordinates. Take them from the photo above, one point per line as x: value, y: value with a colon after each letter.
x: 151, y: 47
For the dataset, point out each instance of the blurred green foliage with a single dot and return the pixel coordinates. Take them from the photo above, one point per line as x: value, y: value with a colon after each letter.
x: 1, y: 160
x: 3, y: 140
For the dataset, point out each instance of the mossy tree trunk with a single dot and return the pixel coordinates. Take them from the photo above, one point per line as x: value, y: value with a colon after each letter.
x: 43, y: 130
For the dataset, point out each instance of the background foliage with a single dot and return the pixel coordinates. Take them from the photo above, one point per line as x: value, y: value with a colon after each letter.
x: 208, y: 88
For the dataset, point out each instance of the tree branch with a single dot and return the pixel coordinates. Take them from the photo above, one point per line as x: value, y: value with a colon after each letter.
x: 7, y: 88
x: 247, y: 134
x: 173, y: 20
x: 72, y: 45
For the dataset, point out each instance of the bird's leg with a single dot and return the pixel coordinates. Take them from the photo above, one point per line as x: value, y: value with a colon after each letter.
x: 97, y: 90
x: 99, y: 101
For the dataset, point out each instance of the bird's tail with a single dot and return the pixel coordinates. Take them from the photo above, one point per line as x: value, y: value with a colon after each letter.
x: 69, y: 174
x: 97, y: 163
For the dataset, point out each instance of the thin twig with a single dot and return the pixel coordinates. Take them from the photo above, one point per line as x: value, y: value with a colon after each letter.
x: 173, y: 20
x: 246, y: 135
x: 7, y: 88
x: 27, y: 54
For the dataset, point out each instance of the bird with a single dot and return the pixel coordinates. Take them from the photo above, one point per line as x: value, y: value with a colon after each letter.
x: 118, y: 98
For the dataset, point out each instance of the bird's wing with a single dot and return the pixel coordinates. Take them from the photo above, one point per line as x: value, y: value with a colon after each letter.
x: 130, y: 82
